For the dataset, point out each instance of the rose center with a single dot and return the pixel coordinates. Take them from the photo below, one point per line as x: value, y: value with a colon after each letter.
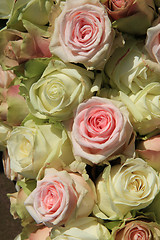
x: 85, y: 27
x: 100, y: 120
x: 120, y: 3
x: 52, y: 197
x: 136, y: 184
x: 138, y: 234
x: 54, y: 91
x: 25, y: 148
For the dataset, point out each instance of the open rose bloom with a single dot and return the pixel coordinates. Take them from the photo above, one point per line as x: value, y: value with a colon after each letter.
x: 83, y: 34
x: 100, y: 130
x: 58, y: 196
x: 80, y: 117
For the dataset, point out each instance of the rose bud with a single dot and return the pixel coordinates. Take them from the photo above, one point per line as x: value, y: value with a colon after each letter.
x: 127, y: 13
x: 10, y: 100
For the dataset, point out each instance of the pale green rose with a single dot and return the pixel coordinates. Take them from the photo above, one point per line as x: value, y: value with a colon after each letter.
x: 144, y: 107
x: 85, y: 228
x: 26, y: 9
x: 59, y: 91
x: 128, y: 68
x: 122, y: 188
x: 33, y: 147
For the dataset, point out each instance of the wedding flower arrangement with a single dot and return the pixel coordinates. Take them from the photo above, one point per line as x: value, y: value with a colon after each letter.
x: 80, y: 117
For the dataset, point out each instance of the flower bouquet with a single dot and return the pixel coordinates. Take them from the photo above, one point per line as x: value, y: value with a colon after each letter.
x: 80, y: 117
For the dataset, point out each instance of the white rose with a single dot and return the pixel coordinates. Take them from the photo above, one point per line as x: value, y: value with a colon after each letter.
x: 32, y: 147
x: 59, y: 91
x: 123, y: 188
x: 85, y: 228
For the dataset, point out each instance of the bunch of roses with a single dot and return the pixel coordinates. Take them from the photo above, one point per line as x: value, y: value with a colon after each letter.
x: 80, y: 117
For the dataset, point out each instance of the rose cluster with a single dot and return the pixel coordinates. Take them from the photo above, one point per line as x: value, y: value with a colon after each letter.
x: 80, y: 117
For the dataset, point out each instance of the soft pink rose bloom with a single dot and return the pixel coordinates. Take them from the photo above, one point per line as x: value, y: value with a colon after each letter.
x: 100, y: 130
x: 153, y: 41
x: 149, y: 150
x: 40, y: 234
x: 83, y: 33
x: 57, y: 198
x: 138, y: 230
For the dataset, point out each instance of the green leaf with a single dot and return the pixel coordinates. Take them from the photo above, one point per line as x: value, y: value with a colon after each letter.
x: 153, y: 209
x: 27, y: 185
x: 111, y: 224
x: 35, y: 67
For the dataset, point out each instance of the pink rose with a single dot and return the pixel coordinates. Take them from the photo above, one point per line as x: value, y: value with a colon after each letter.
x: 153, y: 42
x: 121, y: 8
x: 138, y: 230
x: 83, y: 33
x: 126, y: 13
x: 40, y: 234
x: 149, y: 150
x: 58, y: 196
x: 100, y: 130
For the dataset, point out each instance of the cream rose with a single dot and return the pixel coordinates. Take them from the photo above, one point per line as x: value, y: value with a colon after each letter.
x: 122, y: 188
x: 33, y: 147
x: 60, y: 89
x: 128, y: 68
x: 83, y: 33
x: 144, y: 108
x: 100, y: 129
x: 82, y: 229
x: 58, y: 197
